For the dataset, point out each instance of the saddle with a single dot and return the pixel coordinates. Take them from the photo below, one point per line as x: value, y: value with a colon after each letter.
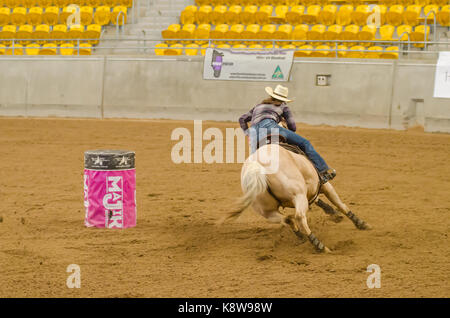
x: 281, y: 141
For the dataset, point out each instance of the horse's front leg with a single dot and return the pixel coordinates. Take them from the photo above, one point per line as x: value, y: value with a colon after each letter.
x: 332, y: 195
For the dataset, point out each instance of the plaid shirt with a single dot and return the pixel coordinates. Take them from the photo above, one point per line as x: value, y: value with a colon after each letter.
x: 267, y: 111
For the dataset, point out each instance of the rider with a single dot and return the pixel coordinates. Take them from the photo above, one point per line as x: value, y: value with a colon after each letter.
x: 265, y: 116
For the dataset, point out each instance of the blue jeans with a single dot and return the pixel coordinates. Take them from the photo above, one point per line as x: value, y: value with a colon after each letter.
x: 267, y: 126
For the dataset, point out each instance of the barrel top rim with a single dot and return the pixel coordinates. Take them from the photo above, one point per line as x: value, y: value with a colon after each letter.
x: 108, y: 152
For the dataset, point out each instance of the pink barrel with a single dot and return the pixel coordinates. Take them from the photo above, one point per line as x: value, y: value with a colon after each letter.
x: 110, y: 189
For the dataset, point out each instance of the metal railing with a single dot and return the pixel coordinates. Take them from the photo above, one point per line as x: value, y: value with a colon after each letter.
x: 149, y: 45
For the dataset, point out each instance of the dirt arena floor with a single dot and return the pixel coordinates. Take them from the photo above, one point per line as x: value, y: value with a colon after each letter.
x: 397, y: 181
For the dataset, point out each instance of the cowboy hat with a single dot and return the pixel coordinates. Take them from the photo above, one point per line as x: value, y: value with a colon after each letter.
x: 280, y: 93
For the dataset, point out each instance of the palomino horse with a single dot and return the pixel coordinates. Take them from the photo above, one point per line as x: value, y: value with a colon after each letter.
x: 295, y: 184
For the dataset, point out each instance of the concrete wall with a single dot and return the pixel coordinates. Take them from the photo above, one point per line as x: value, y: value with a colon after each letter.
x: 364, y: 93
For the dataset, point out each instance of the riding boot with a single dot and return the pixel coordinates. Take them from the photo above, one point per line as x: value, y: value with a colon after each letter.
x: 327, y: 175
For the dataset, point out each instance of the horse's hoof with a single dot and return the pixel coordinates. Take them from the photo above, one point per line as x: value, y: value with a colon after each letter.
x: 366, y: 226
x: 327, y: 250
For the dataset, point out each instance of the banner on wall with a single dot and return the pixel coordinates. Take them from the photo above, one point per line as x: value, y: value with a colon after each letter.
x: 238, y: 65
x: 442, y: 77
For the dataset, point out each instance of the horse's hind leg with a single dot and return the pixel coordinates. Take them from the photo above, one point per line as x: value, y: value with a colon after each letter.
x: 332, y: 195
x: 301, y: 207
x: 328, y: 209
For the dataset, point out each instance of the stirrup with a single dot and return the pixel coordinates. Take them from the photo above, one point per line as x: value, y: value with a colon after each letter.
x: 327, y: 175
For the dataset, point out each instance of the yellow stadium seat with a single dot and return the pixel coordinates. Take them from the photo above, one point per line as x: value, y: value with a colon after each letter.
x: 328, y: 15
x: 271, y: 47
x: 235, y: 32
x: 187, y: 17
x: 160, y: 48
x: 59, y: 33
x: 294, y: 15
x: 283, y: 33
x: 316, y: 32
x: 48, y: 49
x: 92, y: 33
x: 68, y: 11
x: 304, y: 51
x: 280, y: 14
x: 27, y: 3
x: 50, y: 15
x: 5, y: 14
x: 299, y: 33
x: 86, y: 15
x: 202, y: 32
x: 34, y: 16
x: 251, y: 32
x: 66, y: 49
x: 18, y: 16
x: 102, y: 15
x: 344, y: 15
x: 2, y: 50
x: 248, y: 15
x: 204, y: 47
x: 289, y: 47
x: 311, y: 14
x: 42, y: 33
x: 98, y: 3
x: 367, y: 33
x: 342, y: 51
x: 443, y: 16
x: 395, y: 15
x: 350, y: 32
x: 401, y: 29
x: 171, y: 32
x: 374, y: 52
x: 108, y: 3
x: 419, y: 34
x: 85, y: 49
x: 24, y: 34
x: 239, y: 47
x: 124, y: 3
x: 430, y: 11
x: 332, y: 33
x: 264, y: 14
x: 32, y: 49
x: 233, y: 15
x: 422, y: 3
x: 412, y: 14
x: 378, y: 15
x: 119, y: 15
x: 8, y: 32
x: 203, y: 14
x: 255, y: 47
x: 322, y: 51
x: 187, y: 32
x: 360, y: 15
x: 16, y: 50
x: 191, y: 49
x: 389, y: 54
x: 75, y: 33
x: 61, y: 3
x: 355, y: 52
x: 219, y: 33
x: 217, y: 16
x: 224, y: 46
x: 386, y: 32
x: 267, y: 32
x: 174, y: 49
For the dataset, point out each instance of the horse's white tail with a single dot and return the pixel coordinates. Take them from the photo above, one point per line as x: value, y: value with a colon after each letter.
x: 254, y: 183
